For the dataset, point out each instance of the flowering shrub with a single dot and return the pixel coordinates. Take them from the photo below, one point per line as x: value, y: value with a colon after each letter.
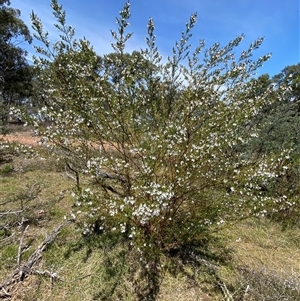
x: 158, y: 141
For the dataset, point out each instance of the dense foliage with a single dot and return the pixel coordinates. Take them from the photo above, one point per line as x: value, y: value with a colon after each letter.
x: 279, y: 128
x: 15, y: 72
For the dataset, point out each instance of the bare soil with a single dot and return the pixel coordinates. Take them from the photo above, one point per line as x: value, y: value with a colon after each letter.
x: 26, y: 137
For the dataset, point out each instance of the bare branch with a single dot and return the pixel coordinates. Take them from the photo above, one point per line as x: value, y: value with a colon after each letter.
x: 21, y: 272
x: 20, y: 246
x: 11, y: 212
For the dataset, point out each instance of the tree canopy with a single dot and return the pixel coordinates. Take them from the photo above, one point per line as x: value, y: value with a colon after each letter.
x: 15, y: 73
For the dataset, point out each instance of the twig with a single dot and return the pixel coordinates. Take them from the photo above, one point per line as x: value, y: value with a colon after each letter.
x: 7, y: 239
x: 6, y: 202
x: 52, y: 275
x: 246, y: 292
x: 226, y: 291
x: 76, y: 173
x: 11, y: 212
x: 208, y: 264
x: 69, y: 175
x: 47, y: 273
x: 6, y: 294
x: 20, y: 246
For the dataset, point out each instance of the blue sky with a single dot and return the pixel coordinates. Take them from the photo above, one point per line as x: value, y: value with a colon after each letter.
x: 218, y: 21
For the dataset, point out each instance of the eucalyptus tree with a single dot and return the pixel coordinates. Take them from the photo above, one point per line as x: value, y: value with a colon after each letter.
x: 15, y: 72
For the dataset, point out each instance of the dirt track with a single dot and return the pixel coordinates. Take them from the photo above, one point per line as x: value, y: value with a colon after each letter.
x: 26, y: 138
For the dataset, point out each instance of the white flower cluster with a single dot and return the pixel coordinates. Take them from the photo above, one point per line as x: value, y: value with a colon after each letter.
x: 149, y: 202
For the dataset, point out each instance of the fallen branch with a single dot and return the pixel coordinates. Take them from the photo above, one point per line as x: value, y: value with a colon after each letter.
x: 7, y: 240
x: 11, y: 212
x: 20, y: 246
x: 21, y: 272
x: 225, y: 291
x: 4, y: 293
x: 52, y: 275
x: 206, y: 263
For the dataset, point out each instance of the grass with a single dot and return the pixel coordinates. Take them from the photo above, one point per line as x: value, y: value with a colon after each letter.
x: 264, y: 258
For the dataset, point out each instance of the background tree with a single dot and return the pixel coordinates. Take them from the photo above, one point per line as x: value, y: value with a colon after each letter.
x: 278, y: 127
x: 290, y: 76
x: 15, y: 72
x: 154, y: 155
